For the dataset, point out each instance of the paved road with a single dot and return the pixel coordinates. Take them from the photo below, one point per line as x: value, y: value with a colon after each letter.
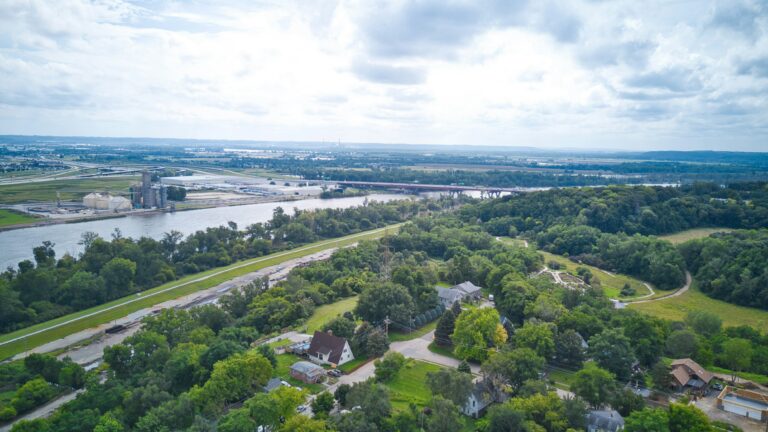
x: 45, y: 410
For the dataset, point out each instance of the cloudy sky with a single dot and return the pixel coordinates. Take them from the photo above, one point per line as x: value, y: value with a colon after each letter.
x: 589, y: 74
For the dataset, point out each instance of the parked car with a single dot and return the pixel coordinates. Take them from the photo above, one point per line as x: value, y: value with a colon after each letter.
x: 717, y: 386
x: 335, y: 373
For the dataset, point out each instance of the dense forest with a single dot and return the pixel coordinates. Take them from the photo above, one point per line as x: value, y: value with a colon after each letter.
x: 200, y: 370
x: 108, y: 269
x: 731, y: 266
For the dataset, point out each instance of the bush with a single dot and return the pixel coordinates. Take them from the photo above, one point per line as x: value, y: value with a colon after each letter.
x: 32, y: 394
x: 7, y: 413
x: 389, y: 366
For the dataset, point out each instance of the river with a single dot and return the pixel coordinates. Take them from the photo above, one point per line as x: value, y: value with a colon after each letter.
x: 16, y: 245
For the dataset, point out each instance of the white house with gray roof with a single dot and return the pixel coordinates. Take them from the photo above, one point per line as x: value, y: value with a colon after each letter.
x: 458, y: 293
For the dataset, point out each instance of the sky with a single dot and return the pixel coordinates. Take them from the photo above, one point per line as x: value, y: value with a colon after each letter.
x: 592, y: 74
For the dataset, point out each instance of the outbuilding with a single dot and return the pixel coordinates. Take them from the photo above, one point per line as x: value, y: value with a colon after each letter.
x: 747, y: 403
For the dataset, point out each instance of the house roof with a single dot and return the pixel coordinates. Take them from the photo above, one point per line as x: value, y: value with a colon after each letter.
x: 272, y: 384
x: 467, y: 287
x: 327, y: 344
x: 692, y: 370
x: 482, y: 394
x: 450, y: 294
x: 608, y: 420
x: 307, y: 368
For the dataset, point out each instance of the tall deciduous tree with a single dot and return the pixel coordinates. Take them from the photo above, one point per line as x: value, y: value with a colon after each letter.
x: 477, y: 331
x: 450, y: 384
x: 593, y: 384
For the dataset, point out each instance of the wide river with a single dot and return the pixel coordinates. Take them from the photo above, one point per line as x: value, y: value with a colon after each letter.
x: 16, y: 245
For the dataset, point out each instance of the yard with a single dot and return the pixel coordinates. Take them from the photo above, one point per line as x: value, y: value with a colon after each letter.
x: 684, y: 236
x: 327, y: 312
x: 676, y: 308
x: 409, y: 386
x: 396, y: 336
x: 283, y: 371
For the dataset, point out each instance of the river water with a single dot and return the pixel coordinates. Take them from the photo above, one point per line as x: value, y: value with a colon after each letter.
x: 16, y: 245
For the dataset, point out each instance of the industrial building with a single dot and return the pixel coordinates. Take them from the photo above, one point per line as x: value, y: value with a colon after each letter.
x: 105, y: 201
x: 147, y: 195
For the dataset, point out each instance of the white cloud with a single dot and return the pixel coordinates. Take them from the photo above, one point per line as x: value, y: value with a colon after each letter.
x: 593, y: 74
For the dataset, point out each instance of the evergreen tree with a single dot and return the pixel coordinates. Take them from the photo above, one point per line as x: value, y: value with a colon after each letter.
x: 445, y: 328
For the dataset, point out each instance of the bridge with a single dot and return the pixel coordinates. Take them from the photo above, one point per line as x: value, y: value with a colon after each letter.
x: 423, y: 187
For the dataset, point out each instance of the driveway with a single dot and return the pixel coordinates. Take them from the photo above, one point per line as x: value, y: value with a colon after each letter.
x: 709, y: 406
x: 417, y: 349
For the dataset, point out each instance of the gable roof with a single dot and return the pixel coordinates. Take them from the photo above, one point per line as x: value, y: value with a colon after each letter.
x: 482, y: 394
x: 328, y: 345
x: 609, y: 420
x: 467, y: 287
x: 691, y: 369
x: 451, y: 295
x: 272, y: 384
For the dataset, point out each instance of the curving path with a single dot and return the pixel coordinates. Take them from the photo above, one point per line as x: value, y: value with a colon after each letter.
x: 679, y: 292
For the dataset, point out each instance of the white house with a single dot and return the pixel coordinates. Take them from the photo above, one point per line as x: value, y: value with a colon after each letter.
x: 326, y: 348
x: 480, y: 398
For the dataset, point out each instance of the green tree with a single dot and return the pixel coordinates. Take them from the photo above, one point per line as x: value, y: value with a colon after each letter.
x: 450, y: 384
x: 569, y: 349
x: 32, y: 394
x: 546, y: 410
x: 686, y: 418
x: 593, y: 384
x: 445, y: 416
x: 233, y: 379
x: 377, y: 343
x: 82, y: 290
x: 373, y: 400
x: 118, y: 276
x: 108, y: 423
x: 323, y: 404
x: 477, y: 330
x: 660, y: 375
x: 704, y: 323
x: 464, y: 367
x: 682, y: 344
x: 341, y: 394
x: 388, y: 366
x: 183, y: 369
x: 513, y: 367
x: 386, y: 300
x: 445, y: 328
x: 647, y: 420
x: 538, y: 337
x: 737, y: 354
x: 341, y: 327
x: 303, y: 424
x: 613, y: 351
x: 505, y: 418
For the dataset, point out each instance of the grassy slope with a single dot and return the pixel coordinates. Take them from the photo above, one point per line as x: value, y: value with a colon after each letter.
x: 327, y: 312
x: 676, y: 308
x: 395, y: 336
x: 8, y: 217
x: 69, y: 189
x: 98, y: 315
x: 684, y: 236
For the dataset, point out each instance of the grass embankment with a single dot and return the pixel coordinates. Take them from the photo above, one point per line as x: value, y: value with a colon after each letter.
x: 676, y: 308
x: 45, y: 191
x: 691, y: 234
x: 396, y: 336
x: 10, y: 217
x: 30, y: 337
x: 326, y: 313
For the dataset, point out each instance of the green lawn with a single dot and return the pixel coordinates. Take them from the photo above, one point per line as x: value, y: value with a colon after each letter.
x: 10, y: 217
x: 283, y: 371
x: 676, y: 308
x: 562, y: 378
x: 39, y: 334
x: 69, y: 189
x: 442, y: 350
x: 395, y: 336
x: 409, y: 385
x: 327, y: 312
x: 684, y: 236
x: 611, y: 282
x: 354, y: 364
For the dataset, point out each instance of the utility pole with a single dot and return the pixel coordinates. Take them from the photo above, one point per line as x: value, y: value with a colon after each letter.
x: 387, y: 322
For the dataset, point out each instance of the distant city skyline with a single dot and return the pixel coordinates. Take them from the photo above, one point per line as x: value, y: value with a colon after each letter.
x: 582, y: 75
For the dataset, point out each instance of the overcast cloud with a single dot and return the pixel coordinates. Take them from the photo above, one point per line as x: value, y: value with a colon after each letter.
x: 589, y: 74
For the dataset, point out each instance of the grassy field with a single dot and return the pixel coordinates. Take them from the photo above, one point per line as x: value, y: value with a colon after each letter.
x: 69, y: 189
x: 10, y: 217
x: 676, y: 308
x: 442, y: 350
x: 25, y: 339
x: 327, y: 312
x: 409, y: 385
x: 611, y: 282
x: 684, y: 236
